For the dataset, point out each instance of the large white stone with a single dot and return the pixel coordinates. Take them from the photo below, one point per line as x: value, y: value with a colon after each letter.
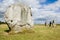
x: 19, y: 16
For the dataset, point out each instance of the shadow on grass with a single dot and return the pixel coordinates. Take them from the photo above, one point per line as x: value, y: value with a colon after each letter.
x: 7, y: 31
x: 23, y: 32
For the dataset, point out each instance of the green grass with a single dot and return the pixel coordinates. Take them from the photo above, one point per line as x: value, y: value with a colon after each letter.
x: 41, y: 33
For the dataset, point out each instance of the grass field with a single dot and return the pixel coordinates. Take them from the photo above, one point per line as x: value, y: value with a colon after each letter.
x: 41, y: 33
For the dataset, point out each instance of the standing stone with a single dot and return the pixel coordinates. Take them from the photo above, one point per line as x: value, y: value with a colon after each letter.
x: 18, y: 16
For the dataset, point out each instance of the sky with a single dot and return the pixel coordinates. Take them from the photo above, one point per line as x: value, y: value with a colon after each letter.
x: 42, y: 10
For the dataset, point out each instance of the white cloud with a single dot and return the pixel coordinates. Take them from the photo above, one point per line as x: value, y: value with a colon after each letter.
x: 5, y: 3
x: 42, y: 1
x: 2, y: 20
x: 34, y: 4
x: 43, y: 12
x: 48, y: 11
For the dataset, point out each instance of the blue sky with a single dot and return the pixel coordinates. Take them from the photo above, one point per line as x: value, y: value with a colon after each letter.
x: 1, y: 0
x: 42, y: 10
x: 47, y: 2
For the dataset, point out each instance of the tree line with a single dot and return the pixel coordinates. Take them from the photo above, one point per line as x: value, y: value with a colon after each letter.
x: 2, y: 22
